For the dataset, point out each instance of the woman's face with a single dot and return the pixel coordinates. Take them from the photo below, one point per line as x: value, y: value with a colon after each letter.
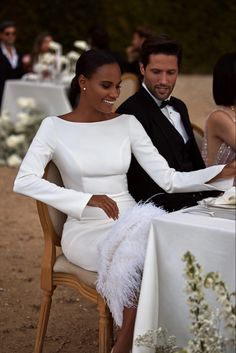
x: 45, y: 44
x: 103, y: 87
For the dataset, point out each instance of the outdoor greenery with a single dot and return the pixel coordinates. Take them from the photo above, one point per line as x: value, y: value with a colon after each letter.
x: 206, y: 28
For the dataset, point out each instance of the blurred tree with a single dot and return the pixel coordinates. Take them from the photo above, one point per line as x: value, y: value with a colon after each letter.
x: 206, y: 28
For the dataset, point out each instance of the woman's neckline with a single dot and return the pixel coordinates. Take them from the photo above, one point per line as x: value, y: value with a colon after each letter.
x: 88, y: 122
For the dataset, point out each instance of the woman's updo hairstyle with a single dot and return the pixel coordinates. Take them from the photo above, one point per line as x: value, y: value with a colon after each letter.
x: 87, y: 65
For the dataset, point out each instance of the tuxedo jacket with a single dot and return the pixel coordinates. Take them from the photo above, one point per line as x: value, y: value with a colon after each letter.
x: 7, y: 72
x: 170, y: 144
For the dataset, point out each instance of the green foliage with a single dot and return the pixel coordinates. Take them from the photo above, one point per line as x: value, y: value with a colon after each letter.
x: 206, y: 28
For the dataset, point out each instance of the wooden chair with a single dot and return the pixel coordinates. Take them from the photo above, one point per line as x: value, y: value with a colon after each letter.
x: 57, y: 270
x: 198, y: 134
x: 129, y: 85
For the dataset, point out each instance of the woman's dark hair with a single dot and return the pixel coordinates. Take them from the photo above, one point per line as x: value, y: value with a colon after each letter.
x: 87, y: 65
x: 38, y: 43
x: 161, y: 44
x: 98, y: 37
x: 224, y: 80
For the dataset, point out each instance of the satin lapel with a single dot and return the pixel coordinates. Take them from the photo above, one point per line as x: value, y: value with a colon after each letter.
x: 184, y: 118
x: 162, y: 123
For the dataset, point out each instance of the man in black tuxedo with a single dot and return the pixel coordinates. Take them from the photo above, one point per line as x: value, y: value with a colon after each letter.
x: 10, y: 61
x: 166, y: 121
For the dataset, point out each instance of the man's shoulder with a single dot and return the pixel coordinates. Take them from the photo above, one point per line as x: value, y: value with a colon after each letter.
x: 178, y: 101
x: 135, y: 103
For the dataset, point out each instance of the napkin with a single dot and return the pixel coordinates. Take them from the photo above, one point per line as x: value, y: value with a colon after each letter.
x: 228, y: 198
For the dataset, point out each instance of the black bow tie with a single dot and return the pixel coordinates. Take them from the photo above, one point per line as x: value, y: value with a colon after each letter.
x: 167, y: 102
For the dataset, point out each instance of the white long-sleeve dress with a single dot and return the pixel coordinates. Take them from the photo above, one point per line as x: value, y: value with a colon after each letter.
x: 93, y: 158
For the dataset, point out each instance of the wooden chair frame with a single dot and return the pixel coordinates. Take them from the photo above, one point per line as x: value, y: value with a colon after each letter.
x: 51, y: 279
x: 198, y: 134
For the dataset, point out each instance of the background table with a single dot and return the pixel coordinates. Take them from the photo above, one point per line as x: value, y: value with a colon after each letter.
x: 163, y: 302
x: 51, y: 99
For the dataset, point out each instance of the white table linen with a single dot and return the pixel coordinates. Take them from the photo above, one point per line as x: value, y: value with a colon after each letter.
x: 163, y: 302
x: 50, y: 98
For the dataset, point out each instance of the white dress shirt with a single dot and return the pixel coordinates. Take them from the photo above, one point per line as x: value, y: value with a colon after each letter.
x: 12, y: 58
x: 172, y: 115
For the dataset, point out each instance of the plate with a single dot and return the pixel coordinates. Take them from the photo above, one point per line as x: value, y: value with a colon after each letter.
x: 209, y: 203
x: 231, y: 207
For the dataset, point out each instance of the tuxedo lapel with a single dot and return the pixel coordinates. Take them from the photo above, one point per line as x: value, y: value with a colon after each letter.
x: 162, y: 132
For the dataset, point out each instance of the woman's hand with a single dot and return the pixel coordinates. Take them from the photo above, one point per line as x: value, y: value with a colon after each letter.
x: 229, y: 171
x: 104, y: 202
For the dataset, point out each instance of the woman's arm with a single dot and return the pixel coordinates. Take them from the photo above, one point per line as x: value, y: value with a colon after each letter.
x: 29, y: 180
x: 222, y: 127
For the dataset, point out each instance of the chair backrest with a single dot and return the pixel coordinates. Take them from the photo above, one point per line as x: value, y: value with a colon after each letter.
x: 51, y: 219
x: 129, y: 85
x: 198, y: 134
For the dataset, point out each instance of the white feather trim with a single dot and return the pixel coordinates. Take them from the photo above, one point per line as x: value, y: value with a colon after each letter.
x: 122, y: 255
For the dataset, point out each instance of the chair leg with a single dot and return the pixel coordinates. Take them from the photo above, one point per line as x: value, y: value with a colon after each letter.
x: 43, y: 320
x: 105, y: 327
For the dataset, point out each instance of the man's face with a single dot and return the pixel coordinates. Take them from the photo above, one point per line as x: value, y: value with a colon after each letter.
x: 160, y: 74
x: 8, y: 36
x: 137, y: 41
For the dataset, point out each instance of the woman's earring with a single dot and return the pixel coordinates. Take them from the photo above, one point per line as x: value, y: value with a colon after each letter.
x: 84, y: 88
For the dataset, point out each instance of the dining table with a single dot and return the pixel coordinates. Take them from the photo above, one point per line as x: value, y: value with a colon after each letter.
x: 51, y: 97
x: 210, y: 237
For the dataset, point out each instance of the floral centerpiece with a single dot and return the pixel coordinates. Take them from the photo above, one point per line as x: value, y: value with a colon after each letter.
x: 54, y: 66
x: 16, y: 136
x: 206, y: 327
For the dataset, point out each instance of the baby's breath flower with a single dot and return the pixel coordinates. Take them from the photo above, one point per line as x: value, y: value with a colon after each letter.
x: 14, y: 160
x: 81, y: 44
x: 54, y: 45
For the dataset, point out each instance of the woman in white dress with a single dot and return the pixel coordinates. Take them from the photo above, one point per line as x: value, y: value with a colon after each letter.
x: 92, y: 146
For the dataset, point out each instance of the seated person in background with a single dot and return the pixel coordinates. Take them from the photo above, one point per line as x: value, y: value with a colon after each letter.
x: 10, y: 60
x: 133, y: 51
x: 40, y: 47
x: 166, y: 122
x: 219, y: 144
x: 98, y: 38
x: 91, y: 146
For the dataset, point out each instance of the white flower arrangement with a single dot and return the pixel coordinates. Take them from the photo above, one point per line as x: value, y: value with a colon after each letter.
x: 81, y: 44
x: 54, y: 66
x: 158, y: 340
x: 73, y: 55
x: 54, y: 45
x: 16, y: 136
x: 206, y: 321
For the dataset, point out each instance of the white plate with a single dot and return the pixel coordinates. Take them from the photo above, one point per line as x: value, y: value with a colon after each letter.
x: 209, y: 203
x: 232, y: 207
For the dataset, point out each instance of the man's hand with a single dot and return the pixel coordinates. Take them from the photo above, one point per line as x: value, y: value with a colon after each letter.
x: 104, y: 202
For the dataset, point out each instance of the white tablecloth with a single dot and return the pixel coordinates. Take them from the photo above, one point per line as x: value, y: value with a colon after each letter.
x: 163, y: 302
x: 51, y: 99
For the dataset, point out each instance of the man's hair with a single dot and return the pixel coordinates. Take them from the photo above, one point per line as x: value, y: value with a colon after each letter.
x: 161, y: 44
x: 6, y: 24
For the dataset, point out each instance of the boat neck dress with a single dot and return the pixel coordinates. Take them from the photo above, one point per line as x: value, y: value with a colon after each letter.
x: 93, y: 159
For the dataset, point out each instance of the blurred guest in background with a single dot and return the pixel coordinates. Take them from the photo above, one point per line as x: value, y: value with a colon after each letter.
x: 41, y: 46
x: 10, y: 60
x: 133, y: 51
x: 98, y: 38
x: 219, y: 144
